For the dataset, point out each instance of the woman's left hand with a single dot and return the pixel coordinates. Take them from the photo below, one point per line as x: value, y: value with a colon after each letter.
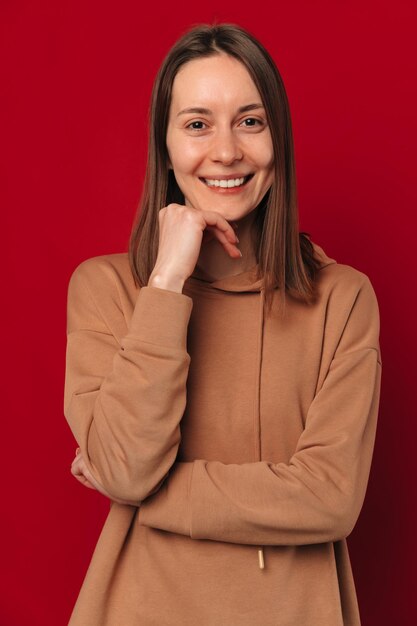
x: 82, y: 473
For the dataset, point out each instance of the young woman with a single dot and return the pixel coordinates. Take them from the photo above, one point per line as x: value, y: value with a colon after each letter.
x: 223, y: 375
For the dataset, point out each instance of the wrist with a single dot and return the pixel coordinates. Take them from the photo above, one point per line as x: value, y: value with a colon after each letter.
x: 163, y: 281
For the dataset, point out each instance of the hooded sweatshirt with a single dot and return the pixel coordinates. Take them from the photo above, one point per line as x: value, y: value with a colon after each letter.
x: 240, y: 442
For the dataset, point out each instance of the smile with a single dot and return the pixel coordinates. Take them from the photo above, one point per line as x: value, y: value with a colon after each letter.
x: 233, y: 183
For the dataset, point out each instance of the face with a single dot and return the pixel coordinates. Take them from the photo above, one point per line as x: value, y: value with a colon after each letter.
x: 213, y: 142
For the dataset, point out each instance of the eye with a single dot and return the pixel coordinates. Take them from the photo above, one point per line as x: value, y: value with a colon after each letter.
x: 196, y: 122
x: 252, y: 119
x: 191, y: 126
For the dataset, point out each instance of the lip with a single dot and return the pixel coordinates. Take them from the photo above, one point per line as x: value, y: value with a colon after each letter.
x: 228, y: 190
x: 226, y: 177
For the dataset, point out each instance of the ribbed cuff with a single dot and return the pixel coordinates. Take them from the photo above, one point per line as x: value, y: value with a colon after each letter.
x: 161, y: 317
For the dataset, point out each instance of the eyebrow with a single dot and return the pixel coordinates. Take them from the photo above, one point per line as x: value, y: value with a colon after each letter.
x: 204, y: 111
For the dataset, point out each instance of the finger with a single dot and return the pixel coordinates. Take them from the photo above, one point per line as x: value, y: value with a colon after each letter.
x: 86, y: 483
x: 76, y: 469
x: 77, y: 457
x: 81, y: 473
x: 207, y: 235
x: 215, y: 224
x: 75, y: 461
x: 210, y: 230
x: 92, y: 480
x: 215, y: 219
x: 78, y: 466
x: 231, y: 248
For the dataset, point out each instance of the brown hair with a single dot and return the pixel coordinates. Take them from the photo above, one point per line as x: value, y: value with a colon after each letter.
x: 285, y: 256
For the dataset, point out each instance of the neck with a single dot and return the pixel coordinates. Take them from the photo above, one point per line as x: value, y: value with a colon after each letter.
x: 214, y: 263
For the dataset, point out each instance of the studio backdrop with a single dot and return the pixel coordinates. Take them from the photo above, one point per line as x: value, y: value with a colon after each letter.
x: 76, y: 79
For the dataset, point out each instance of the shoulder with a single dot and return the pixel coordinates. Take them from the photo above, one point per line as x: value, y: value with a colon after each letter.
x: 347, y: 296
x: 104, y: 269
x: 105, y: 275
x: 339, y: 277
x: 345, y: 282
x: 351, y: 306
x: 101, y: 291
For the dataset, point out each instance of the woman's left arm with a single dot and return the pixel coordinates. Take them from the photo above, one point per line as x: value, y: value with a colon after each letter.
x: 318, y: 495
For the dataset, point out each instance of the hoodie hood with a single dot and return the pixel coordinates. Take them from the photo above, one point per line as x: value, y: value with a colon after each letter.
x: 247, y: 282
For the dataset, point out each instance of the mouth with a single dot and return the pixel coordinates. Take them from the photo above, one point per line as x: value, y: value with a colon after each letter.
x: 225, y: 185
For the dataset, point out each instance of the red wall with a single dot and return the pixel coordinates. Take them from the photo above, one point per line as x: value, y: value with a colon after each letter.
x: 76, y: 79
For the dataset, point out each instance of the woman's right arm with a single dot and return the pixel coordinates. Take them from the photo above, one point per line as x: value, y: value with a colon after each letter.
x: 124, y: 401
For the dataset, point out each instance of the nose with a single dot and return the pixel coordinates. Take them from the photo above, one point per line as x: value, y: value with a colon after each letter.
x: 225, y: 147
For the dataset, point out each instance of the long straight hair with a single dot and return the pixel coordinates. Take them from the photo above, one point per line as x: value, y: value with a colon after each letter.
x: 285, y: 257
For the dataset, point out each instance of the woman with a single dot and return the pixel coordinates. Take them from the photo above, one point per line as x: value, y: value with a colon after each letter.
x: 223, y: 389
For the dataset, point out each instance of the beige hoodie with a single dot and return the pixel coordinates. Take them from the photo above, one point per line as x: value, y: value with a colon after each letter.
x: 245, y: 441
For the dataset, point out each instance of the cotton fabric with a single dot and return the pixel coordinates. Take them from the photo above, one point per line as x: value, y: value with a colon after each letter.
x: 235, y: 436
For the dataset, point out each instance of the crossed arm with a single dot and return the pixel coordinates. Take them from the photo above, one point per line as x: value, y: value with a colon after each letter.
x: 316, y: 497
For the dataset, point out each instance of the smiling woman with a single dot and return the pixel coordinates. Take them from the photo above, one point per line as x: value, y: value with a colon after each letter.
x: 221, y: 159
x: 219, y: 112
x: 224, y: 147
x: 223, y: 390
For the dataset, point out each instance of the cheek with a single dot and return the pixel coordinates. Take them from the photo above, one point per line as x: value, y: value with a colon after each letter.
x: 268, y: 155
x: 186, y: 164
x: 184, y: 155
x: 263, y: 155
x: 266, y: 163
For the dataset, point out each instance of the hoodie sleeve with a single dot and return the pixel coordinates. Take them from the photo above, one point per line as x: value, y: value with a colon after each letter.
x: 318, y: 495
x: 124, y: 398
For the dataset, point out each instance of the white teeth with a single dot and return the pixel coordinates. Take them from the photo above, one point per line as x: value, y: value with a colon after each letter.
x: 233, y: 182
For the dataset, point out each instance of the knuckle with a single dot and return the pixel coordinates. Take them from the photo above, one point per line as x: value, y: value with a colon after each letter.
x: 189, y: 214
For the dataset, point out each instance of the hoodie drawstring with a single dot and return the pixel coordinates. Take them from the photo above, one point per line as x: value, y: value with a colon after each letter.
x: 257, y: 415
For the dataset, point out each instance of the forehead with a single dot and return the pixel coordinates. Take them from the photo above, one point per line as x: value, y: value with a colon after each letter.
x: 213, y: 82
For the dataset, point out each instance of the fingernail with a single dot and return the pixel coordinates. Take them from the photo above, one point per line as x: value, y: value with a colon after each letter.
x: 240, y: 253
x: 237, y: 239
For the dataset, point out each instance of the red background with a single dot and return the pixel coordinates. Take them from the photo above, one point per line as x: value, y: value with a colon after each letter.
x: 76, y: 80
